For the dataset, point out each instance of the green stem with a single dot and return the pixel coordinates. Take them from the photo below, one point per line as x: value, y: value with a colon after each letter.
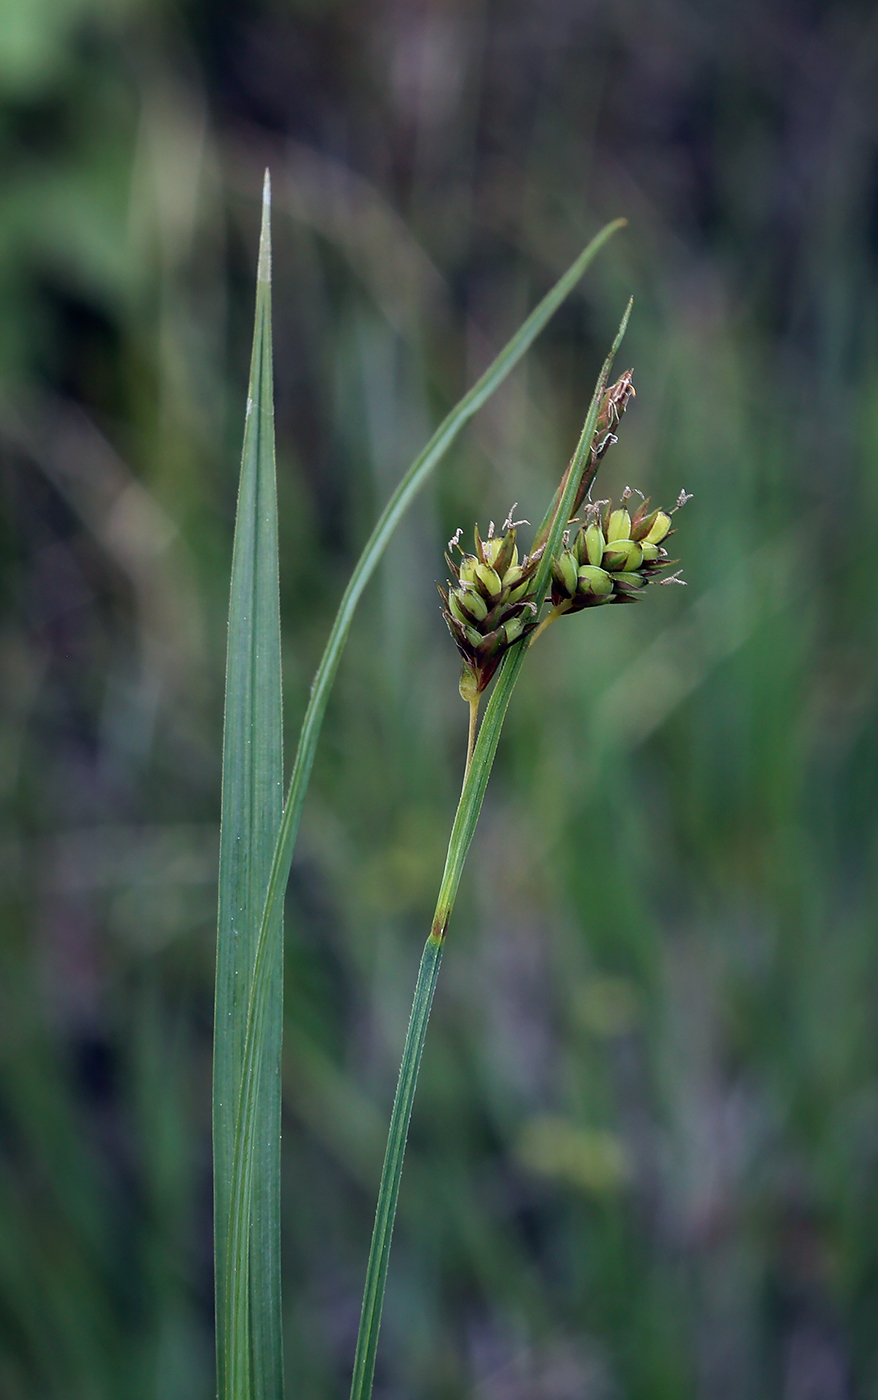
x: 388, y: 1193
x: 558, y: 611
x: 475, y: 783
x: 473, y: 729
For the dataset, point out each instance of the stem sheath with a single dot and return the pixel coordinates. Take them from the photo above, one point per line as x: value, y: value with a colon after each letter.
x: 473, y: 729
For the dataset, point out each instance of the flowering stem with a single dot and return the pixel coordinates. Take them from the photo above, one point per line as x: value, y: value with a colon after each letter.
x: 473, y: 728
x: 550, y: 617
x: 480, y: 759
x: 388, y: 1192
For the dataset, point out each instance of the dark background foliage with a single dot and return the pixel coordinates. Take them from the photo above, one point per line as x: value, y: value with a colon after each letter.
x: 643, y: 1160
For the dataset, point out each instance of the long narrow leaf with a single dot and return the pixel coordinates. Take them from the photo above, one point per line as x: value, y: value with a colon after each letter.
x: 248, y: 1299
x: 402, y: 497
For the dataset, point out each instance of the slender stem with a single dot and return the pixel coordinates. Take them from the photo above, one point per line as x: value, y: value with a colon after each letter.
x: 473, y: 729
x: 388, y: 1193
x: 552, y: 616
x: 483, y: 747
x: 474, y: 783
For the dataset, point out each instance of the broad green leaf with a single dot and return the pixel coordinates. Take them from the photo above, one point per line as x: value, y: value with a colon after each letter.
x: 248, y: 1290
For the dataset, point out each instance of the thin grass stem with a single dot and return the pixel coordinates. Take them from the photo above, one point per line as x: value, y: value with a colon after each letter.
x: 463, y: 828
x: 557, y: 611
x: 388, y: 1192
x: 473, y: 729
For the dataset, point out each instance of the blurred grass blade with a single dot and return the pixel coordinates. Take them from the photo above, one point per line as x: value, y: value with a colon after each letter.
x: 462, y: 832
x: 411, y: 483
x: 248, y: 1298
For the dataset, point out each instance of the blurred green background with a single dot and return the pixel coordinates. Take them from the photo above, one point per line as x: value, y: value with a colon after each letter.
x: 644, y: 1157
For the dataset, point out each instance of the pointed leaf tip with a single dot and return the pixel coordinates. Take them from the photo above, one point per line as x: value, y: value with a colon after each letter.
x: 622, y: 328
x: 263, y: 271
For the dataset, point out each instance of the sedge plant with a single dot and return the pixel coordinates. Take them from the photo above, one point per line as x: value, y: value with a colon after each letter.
x: 495, y: 607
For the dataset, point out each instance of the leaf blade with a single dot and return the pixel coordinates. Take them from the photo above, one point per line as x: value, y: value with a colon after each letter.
x: 252, y: 801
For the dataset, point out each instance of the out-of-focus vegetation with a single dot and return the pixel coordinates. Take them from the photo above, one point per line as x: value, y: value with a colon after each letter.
x: 644, y: 1159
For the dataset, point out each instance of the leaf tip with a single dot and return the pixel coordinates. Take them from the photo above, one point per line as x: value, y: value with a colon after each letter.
x: 263, y: 273
x: 622, y: 329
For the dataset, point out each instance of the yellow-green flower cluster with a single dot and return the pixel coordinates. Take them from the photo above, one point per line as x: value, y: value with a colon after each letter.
x: 612, y: 557
x: 490, y: 603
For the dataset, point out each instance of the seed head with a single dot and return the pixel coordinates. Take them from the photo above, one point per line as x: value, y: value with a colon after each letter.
x: 488, y: 604
x: 615, y: 556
